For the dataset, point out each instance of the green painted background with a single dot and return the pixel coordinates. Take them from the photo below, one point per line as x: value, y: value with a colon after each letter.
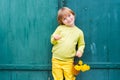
x: 26, y: 26
x: 25, y: 29
x: 100, y: 21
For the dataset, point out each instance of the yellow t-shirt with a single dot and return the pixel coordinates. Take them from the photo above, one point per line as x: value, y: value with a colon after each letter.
x: 65, y: 48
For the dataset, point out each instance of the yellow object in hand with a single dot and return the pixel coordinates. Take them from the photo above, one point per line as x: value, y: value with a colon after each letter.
x: 82, y: 67
x: 80, y: 62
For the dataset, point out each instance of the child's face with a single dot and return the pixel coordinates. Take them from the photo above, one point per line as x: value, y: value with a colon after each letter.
x: 68, y: 19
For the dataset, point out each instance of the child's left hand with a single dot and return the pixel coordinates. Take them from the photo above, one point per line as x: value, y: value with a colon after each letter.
x: 79, y: 54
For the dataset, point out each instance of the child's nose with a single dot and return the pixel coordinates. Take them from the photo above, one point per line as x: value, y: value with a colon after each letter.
x: 68, y: 18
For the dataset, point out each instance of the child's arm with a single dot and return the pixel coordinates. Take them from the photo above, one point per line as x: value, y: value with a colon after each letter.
x: 55, y: 36
x: 79, y: 53
x: 81, y: 45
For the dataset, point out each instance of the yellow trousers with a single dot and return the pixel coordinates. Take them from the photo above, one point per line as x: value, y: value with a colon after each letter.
x: 62, y: 69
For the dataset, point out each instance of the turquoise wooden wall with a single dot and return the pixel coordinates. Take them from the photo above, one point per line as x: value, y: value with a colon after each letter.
x: 100, y: 21
x: 26, y: 26
x: 25, y: 29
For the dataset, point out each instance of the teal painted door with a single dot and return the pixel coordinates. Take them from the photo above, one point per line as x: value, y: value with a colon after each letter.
x: 25, y: 29
x: 26, y: 26
x: 100, y: 21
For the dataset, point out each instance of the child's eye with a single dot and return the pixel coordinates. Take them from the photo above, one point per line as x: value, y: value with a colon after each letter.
x: 69, y: 15
x: 64, y: 18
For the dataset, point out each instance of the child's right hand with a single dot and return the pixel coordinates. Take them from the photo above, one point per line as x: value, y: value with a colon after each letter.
x: 57, y: 37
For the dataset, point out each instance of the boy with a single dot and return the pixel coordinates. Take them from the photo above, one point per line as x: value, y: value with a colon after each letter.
x: 64, y: 40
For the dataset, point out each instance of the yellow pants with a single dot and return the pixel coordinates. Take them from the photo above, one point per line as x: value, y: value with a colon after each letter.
x: 62, y: 69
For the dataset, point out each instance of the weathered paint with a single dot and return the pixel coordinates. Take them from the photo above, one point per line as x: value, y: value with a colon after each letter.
x: 26, y: 26
x: 100, y: 21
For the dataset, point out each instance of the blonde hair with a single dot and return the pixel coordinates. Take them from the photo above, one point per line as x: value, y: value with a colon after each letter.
x: 63, y: 12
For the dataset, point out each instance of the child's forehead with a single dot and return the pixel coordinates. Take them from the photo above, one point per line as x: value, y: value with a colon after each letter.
x: 66, y: 13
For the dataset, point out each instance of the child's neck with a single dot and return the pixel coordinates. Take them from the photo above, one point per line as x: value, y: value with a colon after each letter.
x: 72, y: 25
